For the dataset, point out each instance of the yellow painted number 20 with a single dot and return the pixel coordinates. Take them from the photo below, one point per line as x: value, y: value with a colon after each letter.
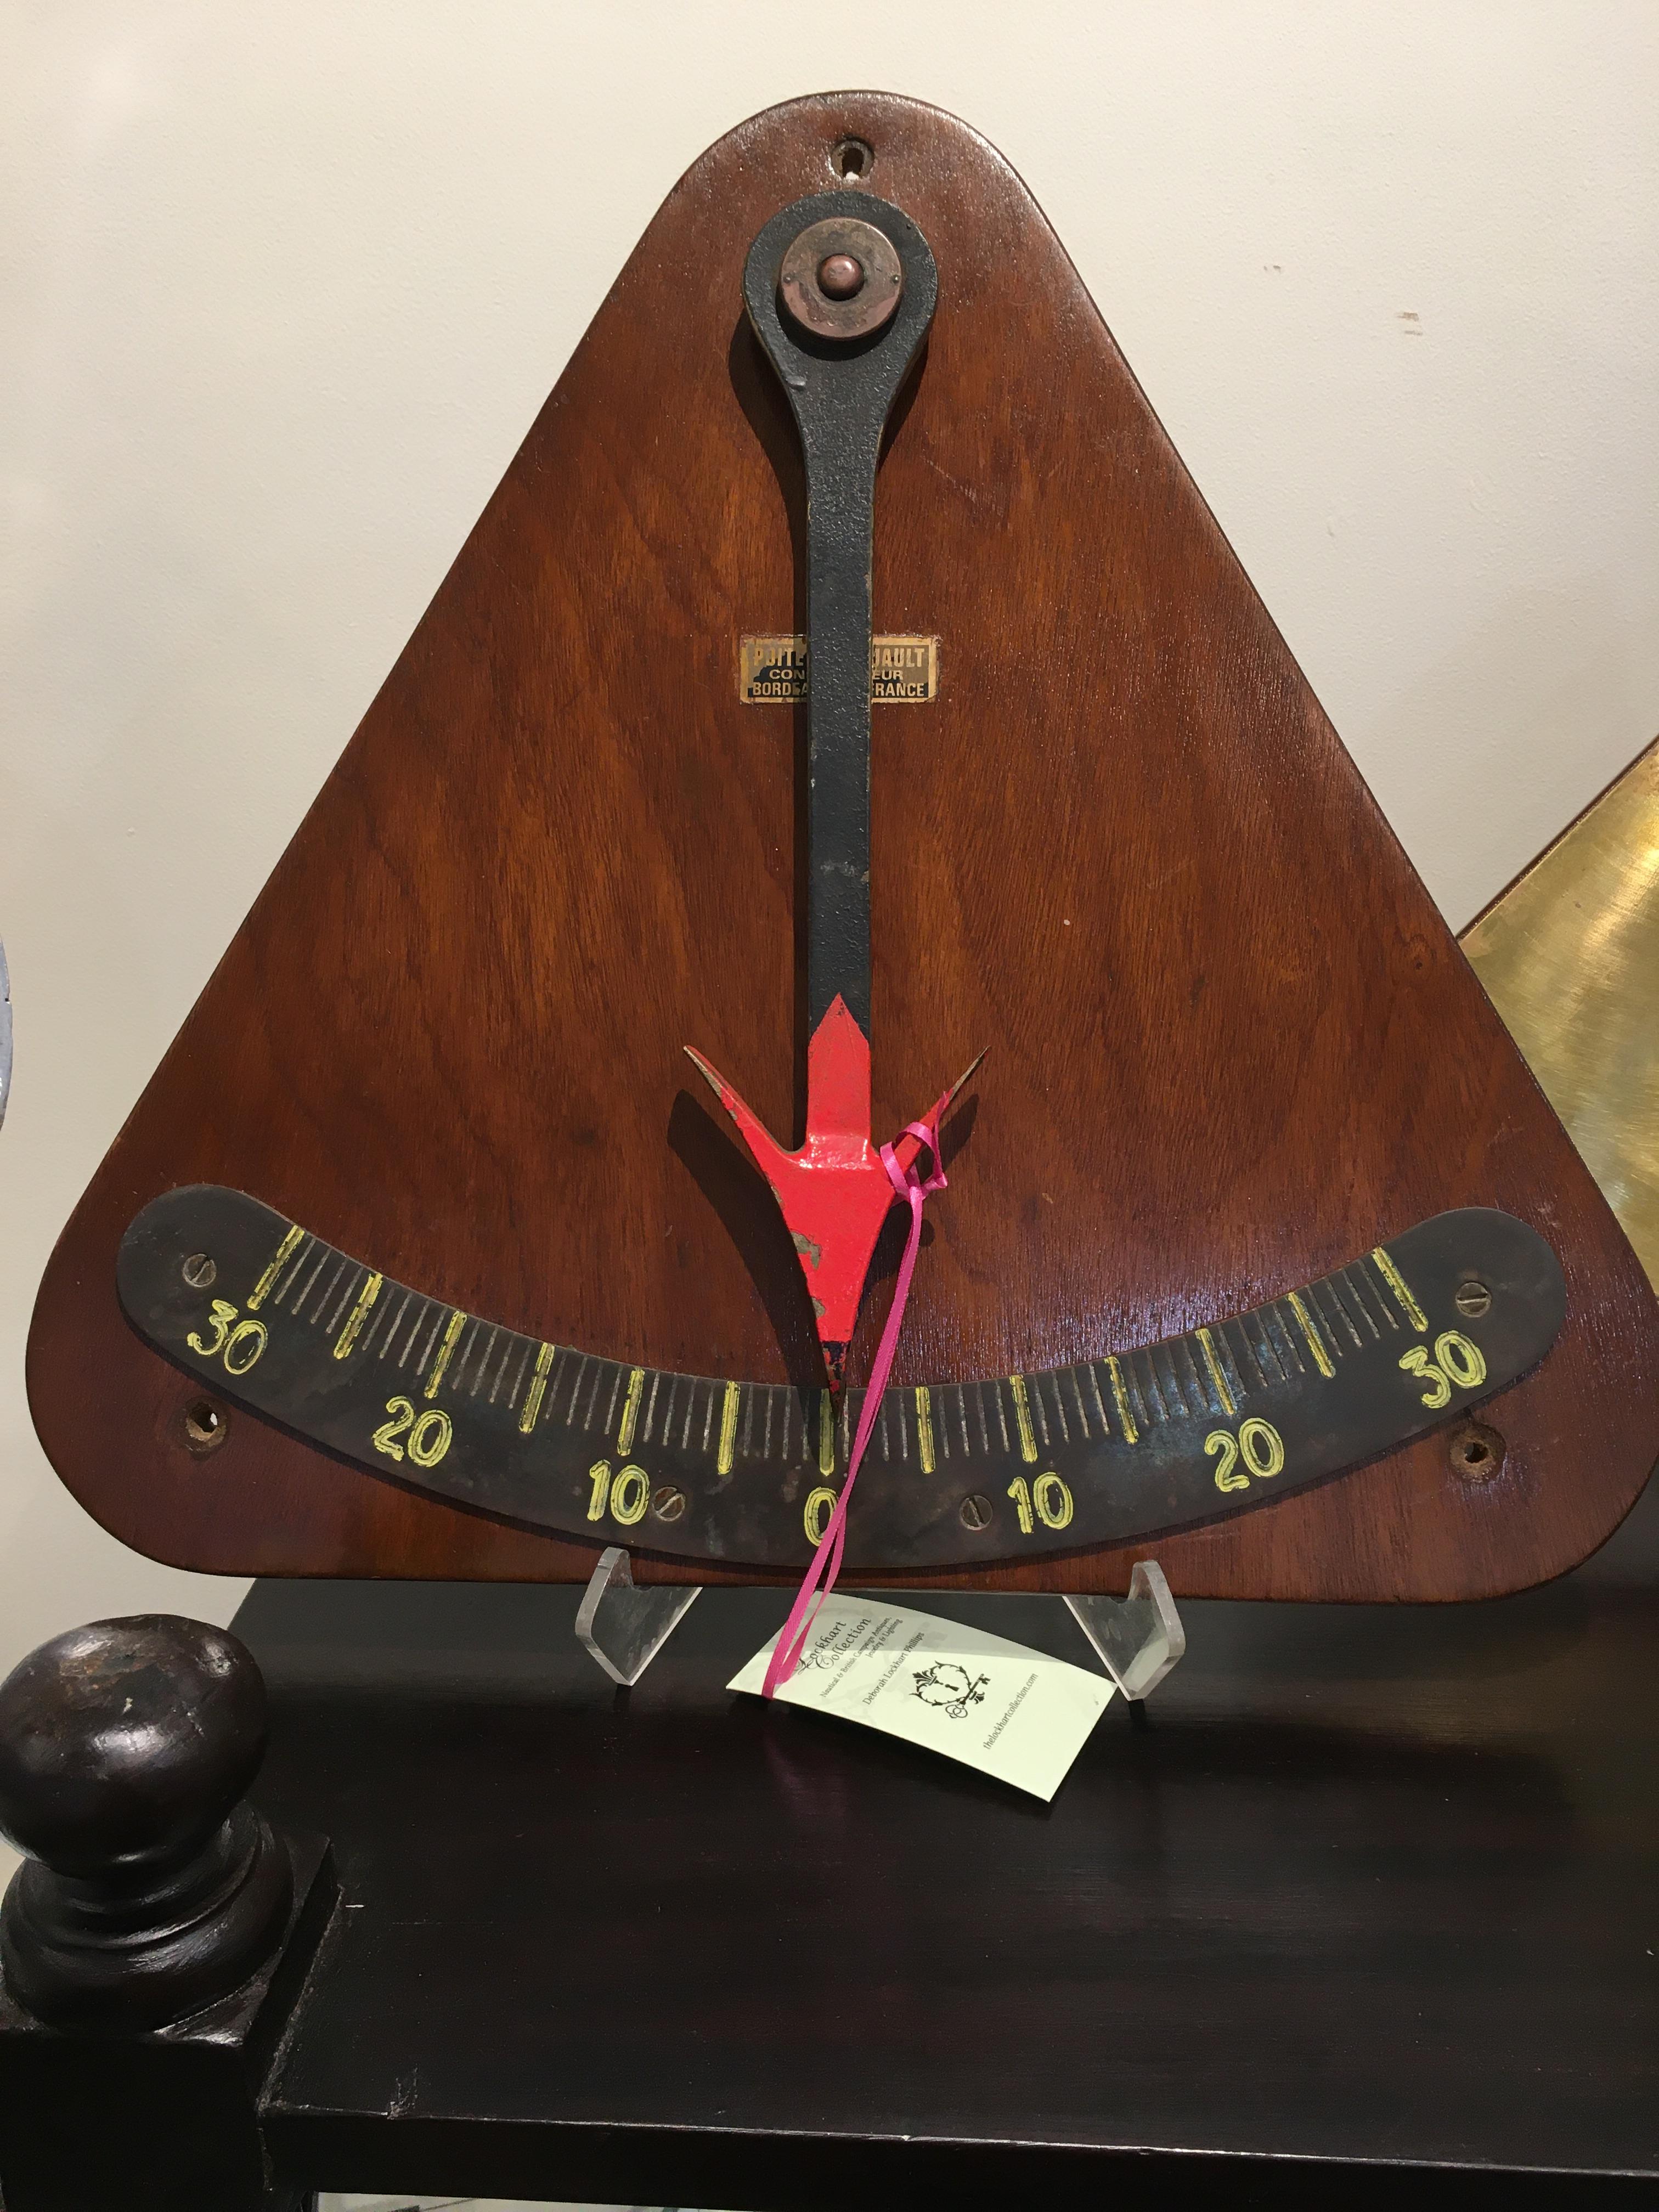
x: 1258, y: 1444
x: 1457, y: 1364
x: 425, y: 1437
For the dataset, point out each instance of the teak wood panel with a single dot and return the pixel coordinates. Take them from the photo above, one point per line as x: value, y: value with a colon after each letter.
x: 1231, y: 1042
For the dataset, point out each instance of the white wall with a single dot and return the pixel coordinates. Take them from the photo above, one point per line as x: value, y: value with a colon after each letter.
x: 283, y: 286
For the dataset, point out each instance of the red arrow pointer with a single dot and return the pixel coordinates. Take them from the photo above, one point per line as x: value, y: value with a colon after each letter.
x: 834, y: 1192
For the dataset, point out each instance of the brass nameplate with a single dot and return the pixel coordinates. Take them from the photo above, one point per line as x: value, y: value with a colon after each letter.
x: 772, y: 670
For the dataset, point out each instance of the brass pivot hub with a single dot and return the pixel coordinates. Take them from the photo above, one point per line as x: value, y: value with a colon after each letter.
x: 841, y: 278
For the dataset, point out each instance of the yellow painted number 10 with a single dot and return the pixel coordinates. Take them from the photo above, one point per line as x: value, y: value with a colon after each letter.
x: 626, y: 1494
x: 1052, y: 1499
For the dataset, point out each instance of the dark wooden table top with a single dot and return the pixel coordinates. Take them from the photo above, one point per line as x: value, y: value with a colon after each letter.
x: 1367, y: 1900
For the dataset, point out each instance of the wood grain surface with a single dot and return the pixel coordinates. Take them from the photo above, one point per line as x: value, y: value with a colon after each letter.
x: 1231, y: 1042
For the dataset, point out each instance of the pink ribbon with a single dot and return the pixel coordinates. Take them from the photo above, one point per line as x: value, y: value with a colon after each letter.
x: 909, y: 1185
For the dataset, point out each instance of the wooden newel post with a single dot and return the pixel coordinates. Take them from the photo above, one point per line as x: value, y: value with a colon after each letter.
x: 154, y: 1942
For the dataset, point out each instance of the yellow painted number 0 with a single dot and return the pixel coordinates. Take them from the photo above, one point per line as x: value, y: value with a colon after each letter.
x: 815, y: 1515
x: 427, y: 1437
x: 238, y: 1343
x: 1460, y: 1365
x: 1050, y: 1496
x: 1258, y: 1444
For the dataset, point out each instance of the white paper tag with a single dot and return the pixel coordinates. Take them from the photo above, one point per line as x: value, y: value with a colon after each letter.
x: 1011, y: 1712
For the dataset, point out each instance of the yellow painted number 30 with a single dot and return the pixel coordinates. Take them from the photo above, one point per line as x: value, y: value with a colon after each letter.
x: 238, y: 1343
x: 1458, y: 1363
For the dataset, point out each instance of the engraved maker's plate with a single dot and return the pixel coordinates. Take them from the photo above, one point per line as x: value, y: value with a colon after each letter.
x: 773, y: 670
x: 1229, y: 1418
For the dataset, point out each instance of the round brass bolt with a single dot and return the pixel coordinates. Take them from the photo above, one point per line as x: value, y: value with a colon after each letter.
x: 1475, y: 1451
x: 1472, y: 1300
x: 669, y: 1503
x: 975, y: 1511
x: 199, y: 1272
x: 840, y: 276
x: 822, y: 261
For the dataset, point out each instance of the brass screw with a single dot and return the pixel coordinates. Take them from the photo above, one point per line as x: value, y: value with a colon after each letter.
x: 200, y: 1273
x: 668, y: 1505
x: 975, y: 1511
x: 1472, y: 1299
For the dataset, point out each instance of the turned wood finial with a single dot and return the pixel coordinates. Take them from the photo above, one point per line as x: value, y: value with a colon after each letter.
x: 150, y: 1887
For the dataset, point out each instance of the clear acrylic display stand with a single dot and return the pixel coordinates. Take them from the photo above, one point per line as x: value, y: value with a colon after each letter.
x: 1138, y: 1637
x: 624, y: 1628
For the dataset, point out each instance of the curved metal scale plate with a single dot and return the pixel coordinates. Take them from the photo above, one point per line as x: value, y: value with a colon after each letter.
x: 1224, y: 1420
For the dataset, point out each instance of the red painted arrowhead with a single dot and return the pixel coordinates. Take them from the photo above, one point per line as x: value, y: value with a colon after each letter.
x: 834, y: 1192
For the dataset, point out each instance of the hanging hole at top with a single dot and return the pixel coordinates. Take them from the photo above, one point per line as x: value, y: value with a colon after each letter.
x: 852, y: 160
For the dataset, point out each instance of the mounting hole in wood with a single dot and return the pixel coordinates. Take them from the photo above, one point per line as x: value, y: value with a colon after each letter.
x: 205, y: 1427
x: 852, y: 160
x: 1476, y: 1451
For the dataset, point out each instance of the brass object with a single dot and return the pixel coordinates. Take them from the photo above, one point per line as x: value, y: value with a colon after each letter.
x: 827, y: 245
x: 1568, y: 955
x: 772, y: 670
x: 840, y: 276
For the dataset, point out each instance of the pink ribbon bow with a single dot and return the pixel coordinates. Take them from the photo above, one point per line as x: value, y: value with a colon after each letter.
x: 910, y: 1185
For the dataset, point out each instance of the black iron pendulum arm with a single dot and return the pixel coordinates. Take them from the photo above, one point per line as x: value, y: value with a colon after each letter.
x: 841, y: 290
x: 842, y: 357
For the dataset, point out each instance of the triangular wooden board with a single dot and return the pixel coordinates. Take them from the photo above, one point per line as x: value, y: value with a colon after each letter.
x: 1233, y: 1045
